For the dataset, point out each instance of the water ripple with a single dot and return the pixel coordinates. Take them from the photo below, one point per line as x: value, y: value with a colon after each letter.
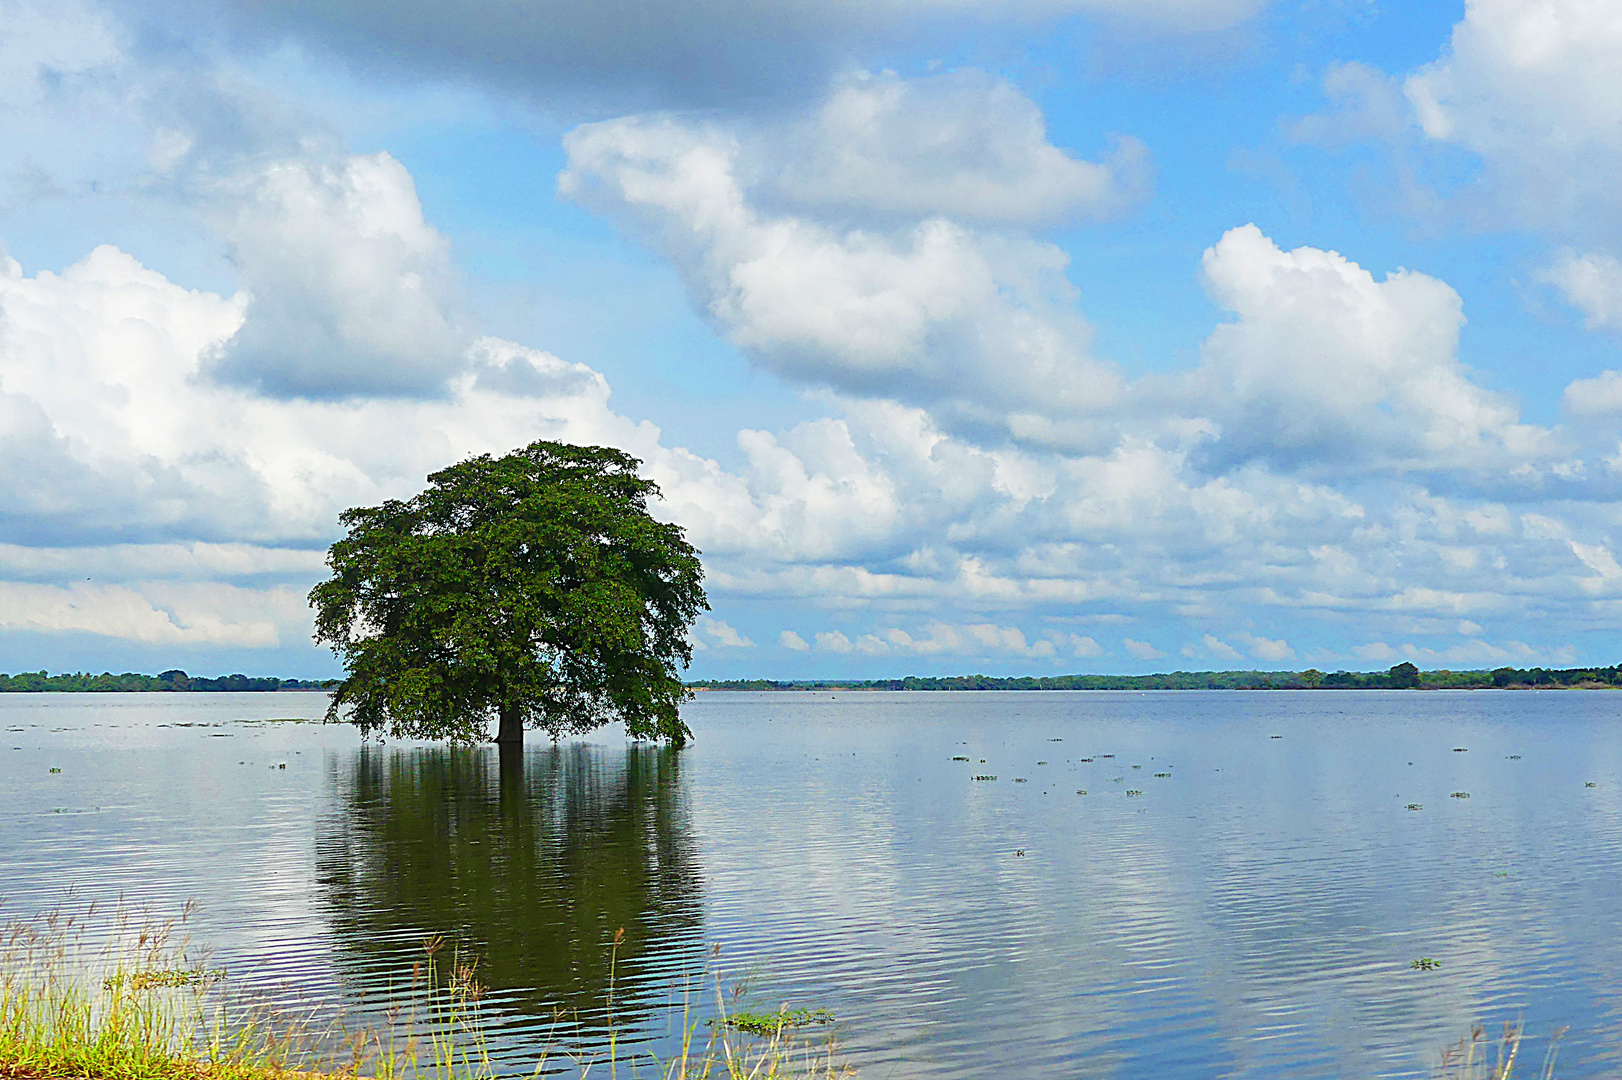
x: 1252, y: 913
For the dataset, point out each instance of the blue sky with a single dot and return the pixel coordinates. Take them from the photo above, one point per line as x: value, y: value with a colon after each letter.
x: 961, y: 335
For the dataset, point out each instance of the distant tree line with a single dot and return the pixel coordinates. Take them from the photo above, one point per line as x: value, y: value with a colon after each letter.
x: 37, y: 682
x: 1400, y: 677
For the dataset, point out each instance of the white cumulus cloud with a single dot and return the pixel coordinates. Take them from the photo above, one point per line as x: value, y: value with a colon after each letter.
x: 1531, y: 88
x: 964, y: 146
x: 1266, y: 649
x: 1591, y: 283
x: 719, y: 634
x: 1327, y: 364
x: 980, y: 325
x: 1595, y: 397
x: 122, y: 612
x: 348, y: 289
x: 1142, y: 650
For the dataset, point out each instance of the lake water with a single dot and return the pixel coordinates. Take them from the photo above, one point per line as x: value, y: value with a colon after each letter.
x: 1252, y: 913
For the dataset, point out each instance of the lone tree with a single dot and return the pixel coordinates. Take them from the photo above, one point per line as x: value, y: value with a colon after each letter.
x: 533, y: 587
x: 1404, y: 676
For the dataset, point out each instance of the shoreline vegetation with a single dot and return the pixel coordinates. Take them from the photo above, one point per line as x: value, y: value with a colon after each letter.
x: 94, y: 997
x: 167, y: 682
x: 1399, y: 677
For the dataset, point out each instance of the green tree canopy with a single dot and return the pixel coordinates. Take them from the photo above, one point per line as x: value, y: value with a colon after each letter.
x: 535, y: 588
x: 1405, y: 676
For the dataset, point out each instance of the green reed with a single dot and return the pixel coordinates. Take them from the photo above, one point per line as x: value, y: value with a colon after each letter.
x: 110, y: 997
x: 81, y: 995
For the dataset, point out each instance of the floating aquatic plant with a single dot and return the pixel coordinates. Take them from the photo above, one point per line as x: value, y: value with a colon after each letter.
x: 1425, y: 963
x: 768, y: 1024
x: 1459, y: 795
x: 1415, y: 806
x: 147, y: 980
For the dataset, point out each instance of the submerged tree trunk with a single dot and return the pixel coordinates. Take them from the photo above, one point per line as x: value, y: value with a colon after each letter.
x: 511, y: 764
x: 511, y: 730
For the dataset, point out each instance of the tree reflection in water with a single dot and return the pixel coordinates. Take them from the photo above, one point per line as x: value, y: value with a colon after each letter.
x: 532, y: 860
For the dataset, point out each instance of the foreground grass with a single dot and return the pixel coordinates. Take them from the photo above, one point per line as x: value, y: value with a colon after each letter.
x: 113, y: 999
x: 131, y: 1008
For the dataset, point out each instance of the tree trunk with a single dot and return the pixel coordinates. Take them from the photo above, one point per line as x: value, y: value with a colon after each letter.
x: 511, y: 757
x: 511, y: 731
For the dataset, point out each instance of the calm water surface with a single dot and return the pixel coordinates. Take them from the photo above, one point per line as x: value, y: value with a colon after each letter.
x: 1252, y: 913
